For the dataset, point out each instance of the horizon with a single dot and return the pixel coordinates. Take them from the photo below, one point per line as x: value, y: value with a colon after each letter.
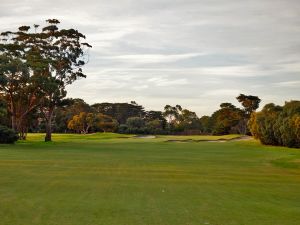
x: 197, y: 54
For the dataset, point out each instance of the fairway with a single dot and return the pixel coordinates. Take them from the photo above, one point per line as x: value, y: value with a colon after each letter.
x: 114, y: 179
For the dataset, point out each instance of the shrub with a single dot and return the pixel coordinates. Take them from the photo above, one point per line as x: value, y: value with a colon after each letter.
x: 7, y: 136
x: 123, y: 129
x: 135, y: 123
x: 154, y: 127
x: 276, y: 125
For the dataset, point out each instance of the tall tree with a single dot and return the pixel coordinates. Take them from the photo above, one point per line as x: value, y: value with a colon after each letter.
x: 172, y: 113
x: 249, y: 102
x: 54, y: 57
x: 65, y: 53
x: 188, y: 120
x: 19, y: 88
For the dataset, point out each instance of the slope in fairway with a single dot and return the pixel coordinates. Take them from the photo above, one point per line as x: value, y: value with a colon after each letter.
x: 112, y: 179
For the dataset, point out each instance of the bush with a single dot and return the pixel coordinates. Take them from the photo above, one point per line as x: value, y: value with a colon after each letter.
x: 276, y: 125
x: 7, y: 136
x: 154, y: 127
x: 123, y: 129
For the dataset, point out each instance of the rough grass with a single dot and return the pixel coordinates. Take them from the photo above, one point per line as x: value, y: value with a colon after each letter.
x: 113, y: 179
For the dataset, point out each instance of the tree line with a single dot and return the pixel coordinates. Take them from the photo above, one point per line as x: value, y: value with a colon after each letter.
x: 75, y: 115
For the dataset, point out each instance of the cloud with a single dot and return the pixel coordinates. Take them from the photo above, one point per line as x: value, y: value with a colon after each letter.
x: 164, y: 82
x: 152, y: 58
x: 223, y: 92
x: 140, y: 88
x: 294, y: 83
x: 193, y: 52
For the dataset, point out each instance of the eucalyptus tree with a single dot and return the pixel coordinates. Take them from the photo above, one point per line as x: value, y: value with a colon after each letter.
x: 189, y: 120
x: 172, y: 113
x: 54, y: 58
x: 19, y: 89
x: 249, y: 102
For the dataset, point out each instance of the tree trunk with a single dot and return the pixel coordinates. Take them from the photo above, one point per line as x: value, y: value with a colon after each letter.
x: 49, y: 117
x: 23, y: 131
x: 87, y: 130
x: 19, y: 126
x: 13, y: 122
x: 48, y: 136
x: 13, y: 116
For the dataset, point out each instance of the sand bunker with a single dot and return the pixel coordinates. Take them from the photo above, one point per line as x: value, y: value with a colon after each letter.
x: 145, y: 136
x: 218, y: 140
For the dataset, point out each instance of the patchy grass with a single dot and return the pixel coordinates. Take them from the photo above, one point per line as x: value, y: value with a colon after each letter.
x: 114, y: 179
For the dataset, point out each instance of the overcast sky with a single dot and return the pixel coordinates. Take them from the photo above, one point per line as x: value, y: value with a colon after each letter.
x: 196, y: 53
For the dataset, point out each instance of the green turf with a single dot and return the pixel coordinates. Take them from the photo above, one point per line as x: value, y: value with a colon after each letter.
x: 112, y: 179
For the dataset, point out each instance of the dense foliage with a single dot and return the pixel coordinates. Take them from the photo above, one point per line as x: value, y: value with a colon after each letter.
x: 84, y: 122
x: 120, y: 111
x: 7, y: 136
x: 3, y: 112
x: 75, y: 115
x: 229, y: 118
x: 277, y: 125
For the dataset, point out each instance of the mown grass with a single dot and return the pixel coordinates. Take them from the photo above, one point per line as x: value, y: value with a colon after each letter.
x: 114, y: 179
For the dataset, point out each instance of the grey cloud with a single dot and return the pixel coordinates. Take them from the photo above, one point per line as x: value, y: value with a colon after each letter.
x: 197, y: 53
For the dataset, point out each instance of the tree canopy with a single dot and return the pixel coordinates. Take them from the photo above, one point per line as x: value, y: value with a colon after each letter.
x: 36, y: 66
